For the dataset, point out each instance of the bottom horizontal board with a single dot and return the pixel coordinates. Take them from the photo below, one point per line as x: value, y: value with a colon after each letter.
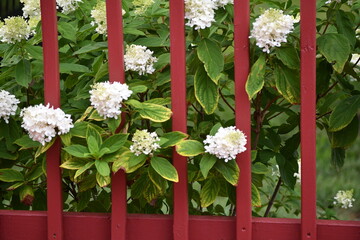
x: 31, y: 225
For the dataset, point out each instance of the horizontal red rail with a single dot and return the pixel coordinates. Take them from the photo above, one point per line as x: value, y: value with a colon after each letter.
x: 31, y: 225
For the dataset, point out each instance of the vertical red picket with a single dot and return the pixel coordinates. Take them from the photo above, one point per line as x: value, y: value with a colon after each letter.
x: 178, y: 95
x: 242, y: 117
x: 52, y: 96
x: 116, y: 74
x: 308, y: 119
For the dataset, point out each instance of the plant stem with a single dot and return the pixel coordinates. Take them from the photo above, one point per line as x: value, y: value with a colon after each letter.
x: 272, y: 199
x: 227, y: 103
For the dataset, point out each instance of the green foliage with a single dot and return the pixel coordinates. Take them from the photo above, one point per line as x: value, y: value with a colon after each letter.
x: 97, y: 147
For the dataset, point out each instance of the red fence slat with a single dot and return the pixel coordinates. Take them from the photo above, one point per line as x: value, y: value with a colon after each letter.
x: 178, y: 103
x: 52, y: 96
x: 308, y: 119
x: 116, y: 74
x: 242, y: 118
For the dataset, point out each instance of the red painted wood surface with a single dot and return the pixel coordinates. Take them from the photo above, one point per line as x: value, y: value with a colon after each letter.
x: 179, y: 108
x: 308, y: 119
x: 242, y: 117
x: 116, y: 74
x: 52, y: 96
x: 31, y: 225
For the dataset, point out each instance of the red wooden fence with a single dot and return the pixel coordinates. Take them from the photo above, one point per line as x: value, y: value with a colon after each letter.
x: 54, y: 224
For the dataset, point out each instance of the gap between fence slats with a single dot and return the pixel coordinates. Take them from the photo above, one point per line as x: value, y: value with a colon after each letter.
x: 178, y: 104
x: 242, y: 118
x: 52, y: 96
x: 308, y: 120
x: 116, y: 74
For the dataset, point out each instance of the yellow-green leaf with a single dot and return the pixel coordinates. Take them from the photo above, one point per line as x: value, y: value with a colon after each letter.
x: 189, y: 148
x: 255, y: 81
x: 164, y: 168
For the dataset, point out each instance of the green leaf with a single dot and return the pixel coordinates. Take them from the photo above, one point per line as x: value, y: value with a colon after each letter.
x: 157, y: 180
x: 73, y: 164
x: 255, y: 196
x: 344, y: 113
x: 209, y: 192
x: 92, y: 145
x: 83, y: 169
x: 115, y: 142
x: 34, y: 173
x: 255, y: 81
x: 173, y: 138
x: 337, y: 157
x: 10, y: 175
x: 73, y: 67
x: 35, y: 52
x: 91, y: 47
x: 336, y: 55
x: 206, y: 163
x: 25, y: 142
x: 288, y: 56
x: 214, y: 129
x: 259, y: 168
x: 91, y: 131
x: 102, y: 167
x: 345, y: 26
x: 103, y: 70
x: 154, y: 112
x: 133, y: 31
x: 128, y: 161
x: 163, y: 167
x: 209, y: 52
x: 190, y: 148
x: 67, y: 30
x: 77, y: 150
x: 113, y: 123
x: 206, y: 91
x: 153, y: 42
x: 229, y: 170
x: 288, y: 83
x: 103, y: 181
x: 346, y: 136
x: 23, y: 73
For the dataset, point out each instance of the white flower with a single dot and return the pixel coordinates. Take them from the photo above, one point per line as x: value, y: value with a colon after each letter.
x: 8, y: 105
x: 144, y: 142
x: 298, y: 174
x: 271, y: 29
x: 44, y: 122
x: 31, y: 8
x: 226, y: 143
x: 107, y: 97
x: 139, y: 59
x: 141, y: 6
x: 68, y: 6
x: 200, y: 13
x: 222, y: 3
x: 98, y: 13
x: 275, y: 171
x: 14, y: 30
x: 344, y: 198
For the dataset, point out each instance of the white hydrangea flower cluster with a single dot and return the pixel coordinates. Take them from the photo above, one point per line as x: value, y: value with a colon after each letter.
x: 141, y: 6
x: 344, y: 198
x: 271, y: 28
x: 139, y: 59
x: 201, y: 13
x: 44, y: 122
x: 98, y: 13
x: 107, y: 97
x: 222, y: 3
x: 8, y: 105
x: 68, y: 6
x: 144, y: 142
x: 226, y: 143
x: 15, y: 30
x: 31, y: 8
